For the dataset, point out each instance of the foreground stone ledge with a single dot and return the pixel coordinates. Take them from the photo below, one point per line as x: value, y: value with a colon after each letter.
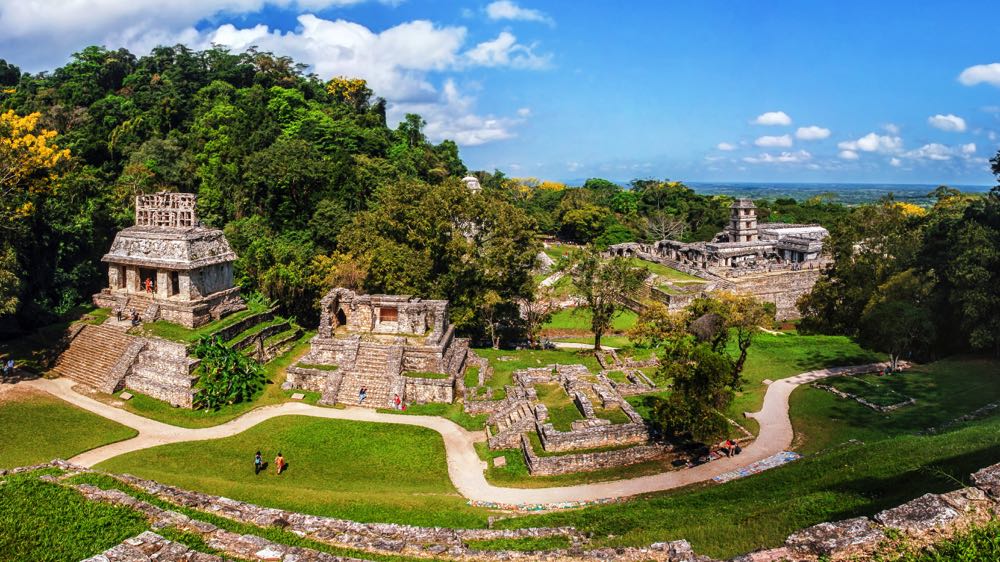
x: 854, y: 535
x: 927, y: 513
x: 149, y: 546
x: 988, y: 480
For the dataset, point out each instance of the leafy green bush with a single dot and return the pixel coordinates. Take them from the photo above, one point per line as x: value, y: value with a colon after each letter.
x: 227, y: 375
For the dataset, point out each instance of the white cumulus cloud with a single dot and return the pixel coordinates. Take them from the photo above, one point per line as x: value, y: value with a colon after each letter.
x: 895, y: 162
x: 812, y: 132
x: 848, y: 155
x: 873, y: 142
x: 506, y: 51
x: 773, y: 118
x: 783, y: 158
x: 768, y: 141
x: 725, y: 146
x: 507, y: 10
x: 988, y: 73
x: 948, y: 122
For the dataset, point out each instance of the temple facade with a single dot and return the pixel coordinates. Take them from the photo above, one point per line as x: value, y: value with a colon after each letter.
x: 168, y: 266
x: 390, y: 345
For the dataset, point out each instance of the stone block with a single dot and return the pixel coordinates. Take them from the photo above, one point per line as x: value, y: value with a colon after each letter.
x: 298, y: 396
x: 841, y: 536
x: 499, y: 462
x: 925, y: 513
x: 988, y: 480
x: 125, y: 396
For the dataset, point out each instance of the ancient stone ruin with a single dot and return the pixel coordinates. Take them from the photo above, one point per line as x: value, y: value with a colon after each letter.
x: 775, y: 262
x: 167, y: 267
x: 390, y: 345
x: 170, y: 267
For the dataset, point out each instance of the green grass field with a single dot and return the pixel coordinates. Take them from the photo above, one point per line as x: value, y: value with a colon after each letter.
x: 178, y: 333
x: 562, y: 411
x: 528, y: 358
x: 944, y: 390
x: 665, y: 272
x: 579, y: 320
x: 39, y: 428
x: 270, y: 394
x: 778, y: 356
x: 48, y: 523
x: 355, y: 470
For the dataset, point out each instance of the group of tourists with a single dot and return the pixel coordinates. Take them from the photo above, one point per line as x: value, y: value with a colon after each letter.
x: 132, y: 314
x: 259, y: 466
x: 730, y: 447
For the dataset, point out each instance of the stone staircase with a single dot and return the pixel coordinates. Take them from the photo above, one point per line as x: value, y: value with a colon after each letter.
x: 99, y: 357
x: 377, y: 368
x: 511, y: 422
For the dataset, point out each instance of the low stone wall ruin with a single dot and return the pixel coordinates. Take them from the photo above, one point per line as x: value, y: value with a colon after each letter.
x: 422, y: 391
x: 587, y: 462
x: 164, y: 371
x: 591, y: 436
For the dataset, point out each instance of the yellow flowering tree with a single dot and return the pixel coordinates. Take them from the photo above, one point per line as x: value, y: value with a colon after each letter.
x: 352, y: 91
x: 29, y: 161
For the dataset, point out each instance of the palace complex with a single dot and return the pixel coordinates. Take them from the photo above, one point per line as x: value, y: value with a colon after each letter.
x: 775, y: 262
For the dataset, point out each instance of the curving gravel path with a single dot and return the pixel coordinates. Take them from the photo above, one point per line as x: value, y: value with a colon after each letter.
x: 464, y: 466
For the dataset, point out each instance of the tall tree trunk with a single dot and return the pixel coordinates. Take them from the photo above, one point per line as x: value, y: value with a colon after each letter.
x: 597, y: 340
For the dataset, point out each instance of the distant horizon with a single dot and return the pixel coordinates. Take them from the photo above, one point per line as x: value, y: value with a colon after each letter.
x: 695, y: 183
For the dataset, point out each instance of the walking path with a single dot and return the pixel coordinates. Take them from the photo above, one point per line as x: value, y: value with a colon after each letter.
x: 464, y: 466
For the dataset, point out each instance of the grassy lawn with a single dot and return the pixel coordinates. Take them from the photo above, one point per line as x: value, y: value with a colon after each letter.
x: 606, y: 341
x: 668, y: 273
x: 271, y: 394
x: 779, y: 356
x: 944, y: 391
x: 556, y: 251
x: 868, y: 387
x: 360, y: 471
x: 274, y: 534
x: 453, y: 412
x: 39, y: 428
x: 761, y: 510
x: 562, y: 411
x: 425, y: 375
x: 579, y: 319
x: 46, y: 522
x: 178, y: 333
x: 614, y: 413
x: 528, y: 358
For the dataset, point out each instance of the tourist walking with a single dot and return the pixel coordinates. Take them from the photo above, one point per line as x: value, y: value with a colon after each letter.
x: 398, y: 402
x: 279, y: 462
x: 258, y: 463
x: 362, y: 394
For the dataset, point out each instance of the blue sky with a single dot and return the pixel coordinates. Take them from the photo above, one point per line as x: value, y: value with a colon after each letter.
x: 796, y: 91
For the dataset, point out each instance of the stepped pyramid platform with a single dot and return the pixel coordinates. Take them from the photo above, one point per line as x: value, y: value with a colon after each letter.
x: 99, y: 357
x: 383, y: 343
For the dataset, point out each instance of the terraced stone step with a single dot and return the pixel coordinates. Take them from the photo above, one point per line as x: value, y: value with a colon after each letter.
x: 92, y: 356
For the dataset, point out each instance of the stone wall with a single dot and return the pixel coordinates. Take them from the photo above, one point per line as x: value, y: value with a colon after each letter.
x: 592, y: 437
x: 422, y: 391
x: 163, y: 371
x: 587, y: 462
x: 781, y: 288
